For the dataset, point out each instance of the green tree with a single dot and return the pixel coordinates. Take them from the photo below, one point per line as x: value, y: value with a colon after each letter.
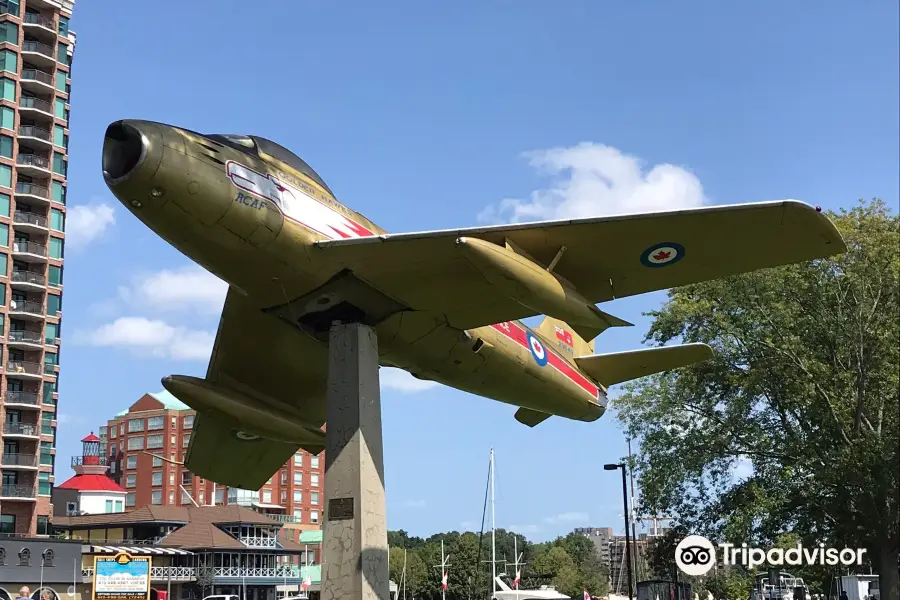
x: 803, y: 385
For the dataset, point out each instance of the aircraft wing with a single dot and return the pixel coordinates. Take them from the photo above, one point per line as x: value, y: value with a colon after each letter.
x: 604, y: 257
x: 258, y: 352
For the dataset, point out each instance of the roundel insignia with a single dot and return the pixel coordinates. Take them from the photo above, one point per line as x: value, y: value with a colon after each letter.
x: 662, y: 255
x: 537, y: 350
x: 244, y: 436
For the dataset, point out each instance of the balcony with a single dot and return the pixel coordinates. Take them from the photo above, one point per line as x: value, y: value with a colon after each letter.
x: 24, y: 370
x: 23, y: 278
x: 32, y: 191
x: 30, y: 104
x: 22, y: 399
x: 39, y: 25
x: 39, y: 53
x: 160, y: 574
x: 35, y: 80
x: 21, y: 429
x: 29, y: 221
x: 36, y: 135
x: 29, y: 251
x: 33, y: 164
x: 26, y: 309
x: 11, y: 491
x: 27, y: 461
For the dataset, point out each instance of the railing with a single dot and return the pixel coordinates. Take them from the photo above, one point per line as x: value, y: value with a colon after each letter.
x: 20, y: 429
x: 32, y: 189
x: 30, y: 248
x: 29, y: 368
x: 258, y: 541
x: 33, y: 160
x: 121, y: 541
x: 35, y: 132
x: 39, y: 48
x: 285, y: 518
x: 19, y: 460
x: 21, y: 397
x: 20, y: 216
x: 77, y: 461
x: 16, y: 491
x: 26, y: 306
x: 281, y: 571
x: 35, y: 19
x: 37, y: 75
x: 36, y: 104
x: 158, y: 573
x: 26, y: 276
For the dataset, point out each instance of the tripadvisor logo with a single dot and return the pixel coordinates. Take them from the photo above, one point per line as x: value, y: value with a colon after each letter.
x: 696, y: 555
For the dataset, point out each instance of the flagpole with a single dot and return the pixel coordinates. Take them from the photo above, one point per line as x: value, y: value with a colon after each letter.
x: 443, y: 574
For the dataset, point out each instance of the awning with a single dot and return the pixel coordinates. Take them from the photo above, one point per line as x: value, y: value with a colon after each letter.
x: 269, y: 506
x: 139, y: 550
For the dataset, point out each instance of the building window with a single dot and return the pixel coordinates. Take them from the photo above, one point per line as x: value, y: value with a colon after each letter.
x: 171, y: 498
x: 9, y: 32
x: 131, y: 462
x: 314, y: 479
x: 43, y: 525
x: 298, y: 459
x: 109, y: 506
x: 8, y: 61
x: 56, y: 247
x: 57, y: 220
x: 6, y: 146
x: 220, y: 496
x: 186, y: 477
x: 283, y: 497
x: 4, y: 205
x: 63, y: 26
x: 44, y: 485
x: 154, y: 423
x: 46, y: 453
x: 186, y: 440
x: 185, y: 498
x: 298, y: 515
x: 156, y: 497
x: 298, y: 478
x: 136, y: 443
x: 189, y: 422
x: 7, y: 89
x: 135, y: 425
x: 60, y: 139
x: 298, y: 496
x: 157, y: 478
x: 155, y: 441
x: 119, y: 507
x: 54, y: 276
x: 7, y: 523
x: 313, y: 516
x: 129, y: 499
x: 157, y: 461
x: 131, y: 480
x: 51, y: 333
x: 54, y: 302
x: 313, y: 462
x: 7, y: 119
x: 60, y: 166
x: 61, y: 84
x: 314, y: 497
x: 267, y: 496
x: 58, y: 192
x: 6, y: 179
x: 62, y: 53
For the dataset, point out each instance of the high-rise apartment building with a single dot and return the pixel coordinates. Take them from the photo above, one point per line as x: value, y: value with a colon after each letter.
x: 159, y: 424
x: 36, y: 50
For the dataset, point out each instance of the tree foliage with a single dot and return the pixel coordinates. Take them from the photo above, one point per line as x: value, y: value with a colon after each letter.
x: 803, y: 386
x: 569, y: 563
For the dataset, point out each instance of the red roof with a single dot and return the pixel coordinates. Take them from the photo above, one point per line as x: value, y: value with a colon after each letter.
x: 91, y: 438
x: 91, y: 483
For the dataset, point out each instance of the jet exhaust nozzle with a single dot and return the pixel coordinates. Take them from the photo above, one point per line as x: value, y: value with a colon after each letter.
x: 124, y: 149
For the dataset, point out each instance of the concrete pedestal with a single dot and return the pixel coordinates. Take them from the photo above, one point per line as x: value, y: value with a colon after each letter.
x: 355, y: 561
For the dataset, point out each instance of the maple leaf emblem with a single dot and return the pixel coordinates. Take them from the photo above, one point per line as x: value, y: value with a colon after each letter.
x: 661, y: 255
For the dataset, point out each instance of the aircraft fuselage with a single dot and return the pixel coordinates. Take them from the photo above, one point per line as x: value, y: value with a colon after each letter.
x: 253, y: 220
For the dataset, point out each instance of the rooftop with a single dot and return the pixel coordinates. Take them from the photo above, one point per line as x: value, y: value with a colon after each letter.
x: 168, y: 401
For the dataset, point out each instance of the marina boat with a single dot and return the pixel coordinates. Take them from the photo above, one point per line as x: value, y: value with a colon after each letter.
x: 783, y: 587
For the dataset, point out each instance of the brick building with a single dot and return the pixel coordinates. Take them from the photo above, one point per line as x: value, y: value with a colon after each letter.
x: 160, y: 424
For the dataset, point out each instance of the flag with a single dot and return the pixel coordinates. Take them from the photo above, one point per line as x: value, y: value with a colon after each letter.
x: 444, y: 582
x: 586, y: 595
x: 307, y: 581
x: 518, y: 577
x: 564, y: 335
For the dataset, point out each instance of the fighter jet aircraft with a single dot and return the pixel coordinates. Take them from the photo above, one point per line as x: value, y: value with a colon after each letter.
x: 446, y: 305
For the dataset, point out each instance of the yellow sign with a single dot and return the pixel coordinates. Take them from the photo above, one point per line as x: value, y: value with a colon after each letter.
x: 121, y: 577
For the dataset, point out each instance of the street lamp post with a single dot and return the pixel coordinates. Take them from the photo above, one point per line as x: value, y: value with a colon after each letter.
x: 613, y: 467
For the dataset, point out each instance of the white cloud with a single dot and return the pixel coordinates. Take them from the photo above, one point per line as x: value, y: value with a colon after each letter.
x: 86, y: 223
x: 402, y: 381
x: 153, y: 338
x: 594, y: 180
x: 568, y: 517
x: 186, y: 288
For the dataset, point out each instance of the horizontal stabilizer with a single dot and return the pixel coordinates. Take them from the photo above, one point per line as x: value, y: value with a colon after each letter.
x: 529, y: 417
x: 616, y: 367
x: 588, y: 333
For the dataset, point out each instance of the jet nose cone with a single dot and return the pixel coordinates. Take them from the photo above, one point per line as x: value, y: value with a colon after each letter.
x: 124, y: 150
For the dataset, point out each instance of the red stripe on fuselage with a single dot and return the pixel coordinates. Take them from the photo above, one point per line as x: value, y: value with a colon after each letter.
x: 517, y: 334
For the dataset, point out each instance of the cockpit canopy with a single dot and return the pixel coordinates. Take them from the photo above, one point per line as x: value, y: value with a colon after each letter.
x: 252, y: 145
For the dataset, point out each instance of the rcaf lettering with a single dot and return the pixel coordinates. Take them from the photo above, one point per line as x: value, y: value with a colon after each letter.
x: 250, y: 201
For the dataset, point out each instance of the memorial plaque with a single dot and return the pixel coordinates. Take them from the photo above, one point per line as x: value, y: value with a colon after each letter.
x: 340, y: 509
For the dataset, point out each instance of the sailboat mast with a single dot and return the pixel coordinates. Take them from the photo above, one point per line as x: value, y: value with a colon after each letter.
x: 493, y: 532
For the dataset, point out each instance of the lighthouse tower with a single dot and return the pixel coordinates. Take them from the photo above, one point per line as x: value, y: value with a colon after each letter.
x: 94, y: 492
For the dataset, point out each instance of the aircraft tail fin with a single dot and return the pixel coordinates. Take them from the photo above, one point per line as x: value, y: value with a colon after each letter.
x: 561, y: 334
x: 616, y: 367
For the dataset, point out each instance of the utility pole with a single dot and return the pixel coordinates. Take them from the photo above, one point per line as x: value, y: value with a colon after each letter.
x: 493, y: 533
x: 445, y: 576
x: 634, y: 537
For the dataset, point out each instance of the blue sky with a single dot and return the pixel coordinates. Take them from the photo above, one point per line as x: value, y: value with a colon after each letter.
x: 427, y: 115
